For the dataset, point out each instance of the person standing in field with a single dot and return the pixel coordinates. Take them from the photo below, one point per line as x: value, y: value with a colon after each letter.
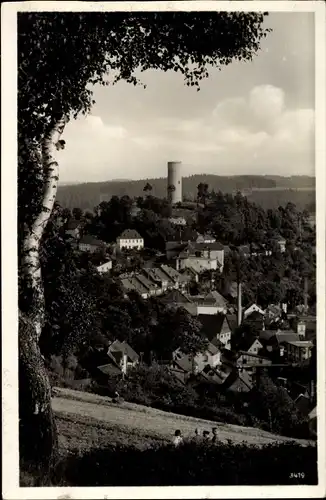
x: 206, y: 436
x: 177, y: 440
x: 215, y: 436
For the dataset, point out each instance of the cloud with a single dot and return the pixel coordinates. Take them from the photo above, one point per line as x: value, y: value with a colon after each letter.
x: 255, y: 133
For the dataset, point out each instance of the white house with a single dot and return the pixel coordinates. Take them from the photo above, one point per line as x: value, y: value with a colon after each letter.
x: 255, y: 347
x: 253, y: 308
x: 299, y: 351
x: 105, y: 268
x: 178, y: 221
x: 130, y: 239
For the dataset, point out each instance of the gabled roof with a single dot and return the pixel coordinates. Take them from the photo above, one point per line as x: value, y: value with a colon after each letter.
x: 175, y: 296
x: 212, y: 349
x: 245, y: 344
x: 233, y: 321
x: 172, y: 273
x: 139, y: 287
x: 109, y: 369
x: 185, y: 363
x: 286, y: 336
x: 266, y: 335
x: 252, y: 355
x: 211, y: 324
x: 130, y: 234
x: 157, y: 275
x: 208, y: 246
x: 303, y: 404
x: 146, y: 282
x: 190, y: 271
x: 123, y: 348
x: 104, y: 263
x: 219, y: 300
x: 88, y: 239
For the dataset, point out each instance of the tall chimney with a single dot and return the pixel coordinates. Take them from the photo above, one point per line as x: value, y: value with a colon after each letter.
x: 239, y: 303
x: 305, y: 295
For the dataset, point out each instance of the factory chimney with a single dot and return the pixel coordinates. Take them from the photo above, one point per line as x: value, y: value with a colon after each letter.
x: 239, y: 303
x: 305, y: 295
x: 174, y: 185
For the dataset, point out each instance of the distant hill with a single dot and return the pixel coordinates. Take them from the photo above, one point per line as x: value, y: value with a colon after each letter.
x: 275, y: 189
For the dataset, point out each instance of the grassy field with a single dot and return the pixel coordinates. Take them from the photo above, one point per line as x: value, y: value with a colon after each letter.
x: 85, y: 420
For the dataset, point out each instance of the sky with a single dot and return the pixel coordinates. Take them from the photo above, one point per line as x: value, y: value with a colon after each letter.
x: 249, y: 118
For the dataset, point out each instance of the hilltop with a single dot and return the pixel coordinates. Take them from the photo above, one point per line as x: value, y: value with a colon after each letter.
x: 297, y: 189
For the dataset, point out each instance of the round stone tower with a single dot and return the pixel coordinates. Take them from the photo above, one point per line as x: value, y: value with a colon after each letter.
x: 174, y: 187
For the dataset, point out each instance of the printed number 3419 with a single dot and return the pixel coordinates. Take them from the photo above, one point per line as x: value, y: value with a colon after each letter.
x: 297, y: 475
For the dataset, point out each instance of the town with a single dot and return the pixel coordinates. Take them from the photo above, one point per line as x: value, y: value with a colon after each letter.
x: 172, y: 291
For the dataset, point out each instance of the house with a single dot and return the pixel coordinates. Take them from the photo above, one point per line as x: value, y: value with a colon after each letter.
x: 131, y: 284
x: 178, y: 220
x: 303, y: 404
x: 151, y: 287
x: 207, y: 304
x: 220, y: 301
x: 274, y: 340
x: 179, y: 280
x: 123, y: 355
x: 90, y: 244
x: 105, y: 267
x: 305, y: 326
x: 248, y: 360
x: 201, y: 257
x: 281, y: 243
x: 205, y: 238
x: 252, y: 308
x: 190, y: 274
x: 242, y: 383
x: 130, y: 239
x: 298, y: 351
x: 73, y: 228
x: 159, y: 277
x: 176, y: 298
x: 249, y: 345
x: 196, y: 364
x: 216, y: 329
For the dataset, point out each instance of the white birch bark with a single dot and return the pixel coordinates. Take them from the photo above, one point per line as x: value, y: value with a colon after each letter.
x: 31, y: 249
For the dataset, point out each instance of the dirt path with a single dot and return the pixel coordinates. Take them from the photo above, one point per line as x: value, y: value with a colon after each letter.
x: 148, y: 420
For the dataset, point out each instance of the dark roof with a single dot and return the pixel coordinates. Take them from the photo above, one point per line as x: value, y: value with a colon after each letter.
x: 208, y: 246
x: 233, y: 321
x: 245, y: 344
x: 219, y: 300
x: 286, y: 336
x: 146, y: 282
x: 123, y: 348
x: 172, y: 273
x: 211, y: 324
x: 130, y: 234
x: 73, y: 224
x: 109, y: 369
x: 88, y: 239
x: 246, y: 353
x: 303, y: 404
x: 175, y: 296
x: 185, y: 363
x: 266, y: 335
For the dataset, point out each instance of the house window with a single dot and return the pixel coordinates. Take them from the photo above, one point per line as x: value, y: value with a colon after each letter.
x: 244, y: 361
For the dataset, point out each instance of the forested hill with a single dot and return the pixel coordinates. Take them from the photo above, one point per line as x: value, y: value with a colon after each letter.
x: 269, y: 191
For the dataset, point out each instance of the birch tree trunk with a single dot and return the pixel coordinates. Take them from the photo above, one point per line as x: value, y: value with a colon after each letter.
x: 37, y: 432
